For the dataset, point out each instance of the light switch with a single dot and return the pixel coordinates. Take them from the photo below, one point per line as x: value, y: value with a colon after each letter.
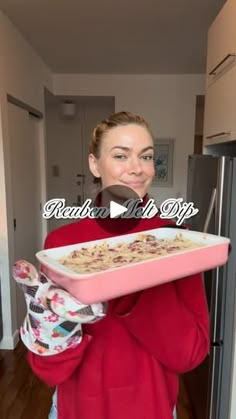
x: 55, y: 170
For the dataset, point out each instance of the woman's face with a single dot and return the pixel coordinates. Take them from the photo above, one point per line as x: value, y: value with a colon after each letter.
x: 126, y: 158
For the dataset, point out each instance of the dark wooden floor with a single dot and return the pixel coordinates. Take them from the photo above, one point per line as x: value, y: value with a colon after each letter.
x: 22, y: 394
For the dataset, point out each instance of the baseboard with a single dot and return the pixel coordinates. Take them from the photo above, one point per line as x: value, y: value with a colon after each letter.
x: 10, y: 342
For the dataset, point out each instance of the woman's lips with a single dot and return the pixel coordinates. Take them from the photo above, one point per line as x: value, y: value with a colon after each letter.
x: 134, y: 184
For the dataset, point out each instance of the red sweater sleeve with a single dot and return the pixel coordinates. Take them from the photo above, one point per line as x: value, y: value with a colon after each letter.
x: 56, y: 369
x: 171, y: 321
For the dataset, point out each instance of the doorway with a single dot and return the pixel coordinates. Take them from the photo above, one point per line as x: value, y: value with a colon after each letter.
x: 68, y: 136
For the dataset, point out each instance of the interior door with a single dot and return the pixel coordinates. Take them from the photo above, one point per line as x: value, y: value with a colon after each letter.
x: 25, y: 189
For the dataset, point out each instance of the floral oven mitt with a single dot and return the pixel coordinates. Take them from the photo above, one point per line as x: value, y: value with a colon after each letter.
x: 54, y: 317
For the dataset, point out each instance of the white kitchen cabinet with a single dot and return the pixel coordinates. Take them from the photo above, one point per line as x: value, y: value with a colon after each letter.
x: 220, y: 99
x: 222, y: 42
x: 220, y: 110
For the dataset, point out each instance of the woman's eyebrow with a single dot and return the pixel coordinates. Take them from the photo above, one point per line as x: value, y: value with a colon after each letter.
x: 150, y: 147
x: 128, y: 149
x: 120, y: 146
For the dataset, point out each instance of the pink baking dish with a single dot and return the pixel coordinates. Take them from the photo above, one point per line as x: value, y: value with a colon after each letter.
x: 102, y: 286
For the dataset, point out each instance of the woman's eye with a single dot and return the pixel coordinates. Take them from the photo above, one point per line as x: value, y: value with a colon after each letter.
x: 120, y: 157
x: 148, y: 157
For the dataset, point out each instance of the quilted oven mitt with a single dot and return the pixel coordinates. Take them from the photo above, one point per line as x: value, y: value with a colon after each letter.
x: 54, y: 317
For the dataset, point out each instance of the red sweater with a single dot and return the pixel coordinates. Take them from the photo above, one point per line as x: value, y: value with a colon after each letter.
x: 127, y: 364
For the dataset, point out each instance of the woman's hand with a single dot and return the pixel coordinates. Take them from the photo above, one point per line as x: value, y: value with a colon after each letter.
x: 54, y: 317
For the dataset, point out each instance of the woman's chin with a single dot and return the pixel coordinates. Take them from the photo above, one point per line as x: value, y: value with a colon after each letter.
x: 140, y: 192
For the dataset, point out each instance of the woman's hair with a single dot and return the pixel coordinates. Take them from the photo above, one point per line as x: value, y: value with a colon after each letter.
x: 115, y: 120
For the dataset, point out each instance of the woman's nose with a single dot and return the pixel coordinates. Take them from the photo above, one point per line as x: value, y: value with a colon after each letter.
x: 135, y: 166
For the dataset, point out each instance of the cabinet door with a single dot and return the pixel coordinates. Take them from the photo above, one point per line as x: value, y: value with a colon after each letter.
x: 222, y: 42
x: 220, y: 109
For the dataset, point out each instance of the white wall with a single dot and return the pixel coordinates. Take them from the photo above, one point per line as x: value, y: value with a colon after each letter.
x: 24, y: 76
x: 167, y: 102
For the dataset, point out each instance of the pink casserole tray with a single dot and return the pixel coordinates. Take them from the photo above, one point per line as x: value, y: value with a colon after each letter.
x: 102, y: 286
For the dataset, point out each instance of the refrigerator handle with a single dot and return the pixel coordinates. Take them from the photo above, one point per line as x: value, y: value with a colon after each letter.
x: 217, y: 302
x: 210, y: 210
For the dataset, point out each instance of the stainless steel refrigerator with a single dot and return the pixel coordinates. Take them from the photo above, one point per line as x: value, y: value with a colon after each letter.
x: 211, y: 186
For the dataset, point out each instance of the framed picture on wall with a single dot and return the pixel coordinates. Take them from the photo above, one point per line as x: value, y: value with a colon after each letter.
x: 163, y: 162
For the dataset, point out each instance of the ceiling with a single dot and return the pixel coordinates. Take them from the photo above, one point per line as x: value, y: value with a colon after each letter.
x: 116, y: 36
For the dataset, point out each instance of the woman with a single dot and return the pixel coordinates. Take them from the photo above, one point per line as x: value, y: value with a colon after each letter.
x: 126, y: 365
